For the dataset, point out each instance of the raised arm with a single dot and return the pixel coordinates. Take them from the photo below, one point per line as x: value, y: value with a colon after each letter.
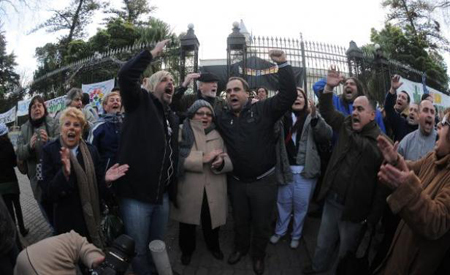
x: 392, y: 116
x: 322, y: 132
x: 333, y: 117
x: 131, y: 72
x: 179, y: 92
x: 279, y: 104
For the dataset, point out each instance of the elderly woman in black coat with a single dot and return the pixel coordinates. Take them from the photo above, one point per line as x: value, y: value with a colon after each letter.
x: 73, y: 179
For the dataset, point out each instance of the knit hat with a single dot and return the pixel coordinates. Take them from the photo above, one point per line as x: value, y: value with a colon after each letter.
x: 74, y: 92
x: 197, y: 105
x: 3, y: 129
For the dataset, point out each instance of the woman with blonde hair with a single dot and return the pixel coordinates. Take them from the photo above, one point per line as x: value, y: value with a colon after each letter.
x: 73, y: 179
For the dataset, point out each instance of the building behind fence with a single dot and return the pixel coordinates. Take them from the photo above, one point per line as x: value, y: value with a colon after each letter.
x: 247, y: 56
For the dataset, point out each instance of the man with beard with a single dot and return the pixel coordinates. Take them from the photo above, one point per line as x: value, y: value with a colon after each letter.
x: 352, y: 195
x: 421, y: 197
x: 149, y: 145
x: 248, y: 132
x: 395, y: 106
x: 344, y: 103
x: 105, y: 134
x: 207, y: 84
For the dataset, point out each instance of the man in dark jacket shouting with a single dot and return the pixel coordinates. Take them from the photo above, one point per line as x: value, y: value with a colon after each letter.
x: 148, y: 144
x: 352, y: 195
x: 248, y: 131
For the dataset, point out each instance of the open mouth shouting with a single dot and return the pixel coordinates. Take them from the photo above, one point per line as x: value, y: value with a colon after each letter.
x: 116, y: 107
x: 71, y: 138
x: 356, y: 123
x: 169, y: 90
x: 205, y: 122
x: 234, y: 102
x: 428, y: 125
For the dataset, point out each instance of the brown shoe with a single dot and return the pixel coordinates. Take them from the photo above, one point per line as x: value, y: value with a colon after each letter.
x: 258, y: 266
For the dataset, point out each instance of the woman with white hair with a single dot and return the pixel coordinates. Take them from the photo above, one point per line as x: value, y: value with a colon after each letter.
x: 73, y: 179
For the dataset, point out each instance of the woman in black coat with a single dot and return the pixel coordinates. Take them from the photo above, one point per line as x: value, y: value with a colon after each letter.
x: 9, y: 185
x: 73, y: 179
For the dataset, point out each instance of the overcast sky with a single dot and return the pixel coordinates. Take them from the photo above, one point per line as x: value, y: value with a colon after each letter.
x: 328, y: 21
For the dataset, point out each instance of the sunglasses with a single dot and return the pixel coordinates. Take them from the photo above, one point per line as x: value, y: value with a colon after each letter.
x: 202, y: 114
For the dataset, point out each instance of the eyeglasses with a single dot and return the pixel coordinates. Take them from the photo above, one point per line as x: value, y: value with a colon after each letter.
x: 202, y: 114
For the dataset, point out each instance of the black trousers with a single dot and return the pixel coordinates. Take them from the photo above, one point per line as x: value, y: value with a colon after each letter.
x: 12, y: 202
x: 8, y: 261
x: 186, y: 239
x: 253, y: 205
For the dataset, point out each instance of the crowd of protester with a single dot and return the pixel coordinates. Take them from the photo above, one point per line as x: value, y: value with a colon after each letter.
x: 158, y: 153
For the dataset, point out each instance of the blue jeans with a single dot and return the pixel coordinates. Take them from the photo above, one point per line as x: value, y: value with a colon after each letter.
x: 333, y: 230
x: 144, y: 222
x: 294, y: 197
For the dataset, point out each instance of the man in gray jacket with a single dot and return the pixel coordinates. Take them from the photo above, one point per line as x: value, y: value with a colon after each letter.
x: 417, y: 144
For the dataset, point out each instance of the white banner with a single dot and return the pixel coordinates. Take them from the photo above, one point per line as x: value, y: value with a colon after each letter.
x: 56, y: 104
x: 97, y: 91
x: 22, y: 107
x: 415, y: 91
x: 9, y: 116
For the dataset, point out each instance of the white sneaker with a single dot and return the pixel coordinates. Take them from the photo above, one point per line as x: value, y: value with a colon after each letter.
x: 275, y: 238
x: 294, y: 244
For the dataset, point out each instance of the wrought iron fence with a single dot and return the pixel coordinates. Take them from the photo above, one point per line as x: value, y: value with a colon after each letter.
x: 311, y: 61
x: 247, y: 56
x: 318, y: 59
x: 102, y: 66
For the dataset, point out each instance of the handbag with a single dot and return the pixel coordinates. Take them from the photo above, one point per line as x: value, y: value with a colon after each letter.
x: 111, y: 225
x: 350, y: 264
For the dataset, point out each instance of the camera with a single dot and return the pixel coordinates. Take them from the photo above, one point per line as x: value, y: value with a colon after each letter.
x: 117, y: 258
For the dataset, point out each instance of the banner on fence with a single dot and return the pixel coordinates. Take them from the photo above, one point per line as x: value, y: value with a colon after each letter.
x: 55, y: 105
x: 8, y: 116
x: 415, y: 91
x: 97, y: 91
x: 22, y: 107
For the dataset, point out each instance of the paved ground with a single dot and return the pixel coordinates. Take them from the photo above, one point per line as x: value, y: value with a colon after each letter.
x: 280, y: 258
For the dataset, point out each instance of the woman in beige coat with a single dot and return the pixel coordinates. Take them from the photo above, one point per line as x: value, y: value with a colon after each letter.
x: 202, y: 186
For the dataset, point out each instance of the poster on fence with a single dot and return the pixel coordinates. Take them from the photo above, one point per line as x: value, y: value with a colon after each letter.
x: 97, y: 91
x: 22, y: 107
x: 415, y: 91
x: 55, y: 105
x: 8, y: 116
